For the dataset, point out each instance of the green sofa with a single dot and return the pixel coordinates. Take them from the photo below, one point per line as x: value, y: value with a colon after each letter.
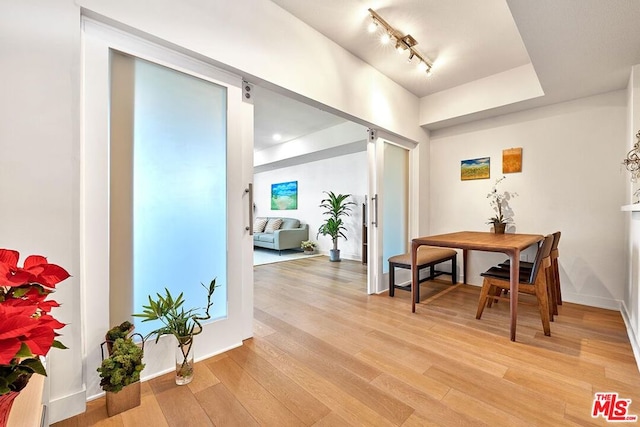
x: 289, y: 236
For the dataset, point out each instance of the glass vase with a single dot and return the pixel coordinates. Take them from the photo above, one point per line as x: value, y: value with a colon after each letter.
x: 184, y: 360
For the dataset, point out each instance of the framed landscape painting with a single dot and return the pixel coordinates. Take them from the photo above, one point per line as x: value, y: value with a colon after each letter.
x: 475, y: 169
x: 284, y: 195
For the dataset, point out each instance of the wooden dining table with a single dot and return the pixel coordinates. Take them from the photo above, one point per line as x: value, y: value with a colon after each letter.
x: 510, y: 244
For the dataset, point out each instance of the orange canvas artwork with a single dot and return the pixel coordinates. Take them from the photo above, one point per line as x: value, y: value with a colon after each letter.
x: 512, y: 160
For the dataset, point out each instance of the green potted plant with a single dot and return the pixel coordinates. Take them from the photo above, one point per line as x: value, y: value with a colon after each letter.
x: 182, y: 324
x: 308, y: 246
x: 120, y: 375
x: 336, y: 207
x: 499, y: 201
x: 120, y: 331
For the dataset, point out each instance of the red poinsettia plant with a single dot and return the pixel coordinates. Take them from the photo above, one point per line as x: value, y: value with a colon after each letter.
x: 27, y: 330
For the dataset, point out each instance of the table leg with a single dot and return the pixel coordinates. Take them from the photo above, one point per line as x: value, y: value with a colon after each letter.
x: 414, y: 274
x: 464, y: 266
x: 514, y: 283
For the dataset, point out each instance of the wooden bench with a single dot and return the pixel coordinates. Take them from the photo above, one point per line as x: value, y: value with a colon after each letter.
x: 428, y: 256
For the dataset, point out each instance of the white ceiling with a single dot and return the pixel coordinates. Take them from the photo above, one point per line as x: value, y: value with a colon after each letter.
x: 577, y: 47
x: 466, y: 39
x: 278, y: 114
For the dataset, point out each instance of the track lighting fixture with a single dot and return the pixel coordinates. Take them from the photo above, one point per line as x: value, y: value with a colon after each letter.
x: 403, y: 42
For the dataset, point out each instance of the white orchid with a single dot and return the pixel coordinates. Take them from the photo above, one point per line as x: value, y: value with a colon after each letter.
x: 500, y: 204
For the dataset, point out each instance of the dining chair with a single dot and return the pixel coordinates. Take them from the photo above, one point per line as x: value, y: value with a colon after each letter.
x: 556, y: 268
x: 555, y: 295
x: 496, y: 279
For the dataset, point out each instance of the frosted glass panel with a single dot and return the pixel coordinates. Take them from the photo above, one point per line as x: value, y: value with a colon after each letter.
x: 394, y: 232
x: 179, y: 188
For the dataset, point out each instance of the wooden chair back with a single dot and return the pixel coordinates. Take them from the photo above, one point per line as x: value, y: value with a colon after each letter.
x: 555, y: 273
x: 542, y: 257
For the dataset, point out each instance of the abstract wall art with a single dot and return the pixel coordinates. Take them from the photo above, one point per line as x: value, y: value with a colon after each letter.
x: 284, y: 195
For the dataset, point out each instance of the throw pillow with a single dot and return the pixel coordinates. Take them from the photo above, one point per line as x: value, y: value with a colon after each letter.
x: 259, y: 224
x: 273, y: 225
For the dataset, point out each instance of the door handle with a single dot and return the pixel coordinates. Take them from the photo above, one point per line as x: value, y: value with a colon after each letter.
x: 374, y: 222
x: 249, y: 190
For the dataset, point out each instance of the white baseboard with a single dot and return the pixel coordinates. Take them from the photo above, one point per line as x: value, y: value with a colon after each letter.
x: 351, y: 256
x: 66, y: 407
x: 633, y: 338
x: 144, y: 378
x: 592, y: 301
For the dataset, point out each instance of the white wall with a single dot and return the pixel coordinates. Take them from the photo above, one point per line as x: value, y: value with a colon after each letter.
x: 39, y: 160
x: 518, y: 84
x: 344, y: 174
x: 571, y: 181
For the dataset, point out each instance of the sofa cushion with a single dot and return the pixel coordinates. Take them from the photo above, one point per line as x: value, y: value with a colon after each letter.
x: 259, y: 224
x: 289, y: 223
x: 265, y: 237
x: 273, y: 224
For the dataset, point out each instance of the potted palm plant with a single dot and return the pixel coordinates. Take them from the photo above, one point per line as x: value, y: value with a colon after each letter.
x: 336, y: 207
x: 179, y: 322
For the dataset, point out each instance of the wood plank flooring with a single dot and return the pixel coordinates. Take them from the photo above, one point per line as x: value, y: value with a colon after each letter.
x: 326, y: 354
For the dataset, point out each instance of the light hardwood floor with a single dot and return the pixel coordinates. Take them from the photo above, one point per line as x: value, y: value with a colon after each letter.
x: 326, y: 354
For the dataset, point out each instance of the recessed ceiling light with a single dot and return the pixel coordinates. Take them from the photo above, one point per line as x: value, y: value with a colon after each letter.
x: 277, y: 137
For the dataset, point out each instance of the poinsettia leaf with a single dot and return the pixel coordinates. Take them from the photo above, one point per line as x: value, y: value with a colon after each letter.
x: 5, y: 274
x: 9, y: 257
x: 40, y: 340
x: 4, y: 386
x: 51, y: 275
x: 20, y: 277
x: 18, y: 324
x: 58, y: 344
x: 24, y: 351
x: 34, y: 260
x: 8, y: 350
x: 20, y: 291
x: 46, y: 320
x: 35, y: 365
